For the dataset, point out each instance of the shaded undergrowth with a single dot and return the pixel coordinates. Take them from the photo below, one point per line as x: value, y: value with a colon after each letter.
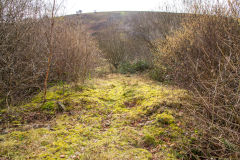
x: 117, y: 117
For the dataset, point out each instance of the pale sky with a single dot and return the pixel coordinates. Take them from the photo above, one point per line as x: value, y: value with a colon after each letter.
x: 71, y: 6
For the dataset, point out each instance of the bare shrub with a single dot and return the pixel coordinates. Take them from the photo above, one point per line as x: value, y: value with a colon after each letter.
x: 76, y: 53
x: 150, y: 26
x: 203, y: 57
x: 113, y: 44
x: 24, y: 46
x: 20, y: 62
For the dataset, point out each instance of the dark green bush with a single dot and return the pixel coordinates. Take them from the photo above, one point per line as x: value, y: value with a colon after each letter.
x: 141, y: 66
x: 132, y: 68
x: 159, y: 74
x: 126, y: 67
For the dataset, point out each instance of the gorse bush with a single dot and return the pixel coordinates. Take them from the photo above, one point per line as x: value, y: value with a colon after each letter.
x: 204, y: 57
x: 141, y: 66
x: 138, y: 66
x: 126, y: 67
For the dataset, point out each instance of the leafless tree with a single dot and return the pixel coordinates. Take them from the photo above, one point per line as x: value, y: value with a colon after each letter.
x: 113, y: 44
x: 51, y: 49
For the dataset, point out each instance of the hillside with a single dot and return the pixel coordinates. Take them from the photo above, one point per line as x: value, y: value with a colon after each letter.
x: 116, y: 117
x: 97, y: 22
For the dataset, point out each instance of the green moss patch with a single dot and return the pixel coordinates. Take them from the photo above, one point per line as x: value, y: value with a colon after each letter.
x: 117, y: 117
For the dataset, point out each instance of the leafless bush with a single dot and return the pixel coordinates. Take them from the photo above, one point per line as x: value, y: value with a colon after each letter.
x: 150, y: 26
x: 114, y: 45
x: 24, y: 47
x: 20, y: 60
x: 204, y: 58
x: 75, y: 54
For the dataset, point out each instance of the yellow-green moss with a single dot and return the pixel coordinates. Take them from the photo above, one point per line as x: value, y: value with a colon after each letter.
x: 49, y: 106
x: 117, y: 117
x: 165, y: 118
x: 149, y: 140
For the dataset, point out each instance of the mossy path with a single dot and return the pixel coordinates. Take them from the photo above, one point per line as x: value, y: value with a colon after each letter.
x: 113, y: 118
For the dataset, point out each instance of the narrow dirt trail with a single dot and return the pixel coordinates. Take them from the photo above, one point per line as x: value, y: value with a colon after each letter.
x: 113, y: 118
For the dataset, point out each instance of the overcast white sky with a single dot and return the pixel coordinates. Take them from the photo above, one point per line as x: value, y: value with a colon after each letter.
x: 71, y: 6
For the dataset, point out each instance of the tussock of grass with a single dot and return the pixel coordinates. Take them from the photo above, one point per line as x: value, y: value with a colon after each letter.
x: 114, y: 118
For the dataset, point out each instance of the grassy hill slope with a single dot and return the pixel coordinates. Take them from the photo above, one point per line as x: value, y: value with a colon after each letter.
x: 97, y: 22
